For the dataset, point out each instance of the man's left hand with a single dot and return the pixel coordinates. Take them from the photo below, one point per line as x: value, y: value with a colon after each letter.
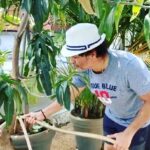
x: 122, y: 140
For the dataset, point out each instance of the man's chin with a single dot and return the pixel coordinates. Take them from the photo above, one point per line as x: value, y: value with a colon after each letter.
x: 79, y: 68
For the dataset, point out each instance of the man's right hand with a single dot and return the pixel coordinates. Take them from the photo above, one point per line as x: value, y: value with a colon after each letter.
x: 33, y: 116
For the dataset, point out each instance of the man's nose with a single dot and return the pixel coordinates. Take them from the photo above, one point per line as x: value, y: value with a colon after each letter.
x: 72, y: 59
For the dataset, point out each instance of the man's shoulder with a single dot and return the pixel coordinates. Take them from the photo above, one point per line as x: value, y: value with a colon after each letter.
x: 122, y: 55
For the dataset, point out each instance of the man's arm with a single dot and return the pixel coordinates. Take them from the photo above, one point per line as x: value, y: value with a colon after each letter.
x: 143, y: 115
x: 55, y: 106
x: 123, y: 139
x: 50, y: 109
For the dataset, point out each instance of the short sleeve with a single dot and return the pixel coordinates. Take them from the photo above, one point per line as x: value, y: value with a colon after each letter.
x: 80, y: 79
x: 138, y: 76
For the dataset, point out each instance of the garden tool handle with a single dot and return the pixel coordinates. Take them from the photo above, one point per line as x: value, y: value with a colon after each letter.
x: 82, y: 134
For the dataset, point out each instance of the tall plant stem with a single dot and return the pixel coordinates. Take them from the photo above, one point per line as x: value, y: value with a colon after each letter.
x: 15, y: 56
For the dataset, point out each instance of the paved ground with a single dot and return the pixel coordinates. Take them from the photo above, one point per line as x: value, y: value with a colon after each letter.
x: 63, y: 141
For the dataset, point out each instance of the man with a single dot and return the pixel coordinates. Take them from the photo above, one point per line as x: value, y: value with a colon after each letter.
x: 119, y: 79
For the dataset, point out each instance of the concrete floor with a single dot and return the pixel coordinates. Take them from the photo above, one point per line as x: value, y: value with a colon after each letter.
x: 63, y: 141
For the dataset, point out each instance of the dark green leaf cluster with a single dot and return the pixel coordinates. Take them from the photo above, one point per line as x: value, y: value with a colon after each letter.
x: 63, y: 83
x: 12, y: 95
x: 87, y: 105
x: 41, y: 54
x: 39, y: 9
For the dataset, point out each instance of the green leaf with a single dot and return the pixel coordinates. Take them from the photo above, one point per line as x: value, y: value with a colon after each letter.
x: 59, y: 94
x: 22, y: 92
x: 18, y: 102
x: 110, y: 24
x: 1, y: 100
x: 26, y: 4
x: 39, y: 86
x: 26, y: 69
x: 105, y: 11
x: 147, y: 28
x: 3, y: 3
x: 98, y: 8
x: 67, y: 96
x: 118, y: 13
x: 45, y: 80
x: 136, y: 9
x: 9, y: 106
x: 40, y: 12
x: 3, y: 85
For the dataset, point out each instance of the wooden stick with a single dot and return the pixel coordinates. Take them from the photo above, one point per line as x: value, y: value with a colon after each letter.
x: 82, y: 134
x: 25, y: 133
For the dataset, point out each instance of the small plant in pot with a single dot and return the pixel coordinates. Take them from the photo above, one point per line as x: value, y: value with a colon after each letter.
x: 14, y: 95
x: 87, y: 113
x: 13, y: 102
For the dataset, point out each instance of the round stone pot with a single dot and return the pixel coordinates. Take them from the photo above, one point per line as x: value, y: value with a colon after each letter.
x: 89, y: 126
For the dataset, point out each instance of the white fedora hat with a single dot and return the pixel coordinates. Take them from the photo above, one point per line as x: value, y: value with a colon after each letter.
x: 81, y: 38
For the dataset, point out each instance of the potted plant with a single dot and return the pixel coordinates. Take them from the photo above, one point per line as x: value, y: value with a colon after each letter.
x: 87, y: 112
x: 40, y: 9
x: 12, y: 90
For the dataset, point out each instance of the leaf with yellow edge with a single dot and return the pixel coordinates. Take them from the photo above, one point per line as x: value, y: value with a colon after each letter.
x: 136, y: 9
x: 87, y: 6
x: 12, y: 19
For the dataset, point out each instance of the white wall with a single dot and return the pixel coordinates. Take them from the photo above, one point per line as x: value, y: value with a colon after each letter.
x: 7, y: 40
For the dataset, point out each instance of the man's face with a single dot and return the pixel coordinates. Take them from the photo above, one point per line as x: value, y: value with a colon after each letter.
x: 81, y: 62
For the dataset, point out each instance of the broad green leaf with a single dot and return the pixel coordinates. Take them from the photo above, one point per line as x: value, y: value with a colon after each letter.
x: 9, y: 105
x: 39, y: 86
x: 40, y: 12
x: 3, y: 85
x: 110, y: 24
x: 23, y: 93
x: 59, y: 94
x: 3, y: 97
x: 26, y: 69
x: 2, y: 24
x: 45, y: 80
x: 67, y: 99
x: 26, y: 4
x: 136, y: 9
x: 18, y: 102
x: 3, y: 3
x: 105, y: 11
x: 147, y: 28
x: 98, y: 7
x: 118, y: 13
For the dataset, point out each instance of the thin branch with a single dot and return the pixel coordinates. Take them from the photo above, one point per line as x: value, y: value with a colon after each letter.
x: 82, y: 134
x: 129, y: 3
x: 15, y: 57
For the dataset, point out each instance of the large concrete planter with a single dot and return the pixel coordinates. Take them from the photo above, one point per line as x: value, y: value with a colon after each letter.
x: 90, y: 126
x: 39, y: 141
